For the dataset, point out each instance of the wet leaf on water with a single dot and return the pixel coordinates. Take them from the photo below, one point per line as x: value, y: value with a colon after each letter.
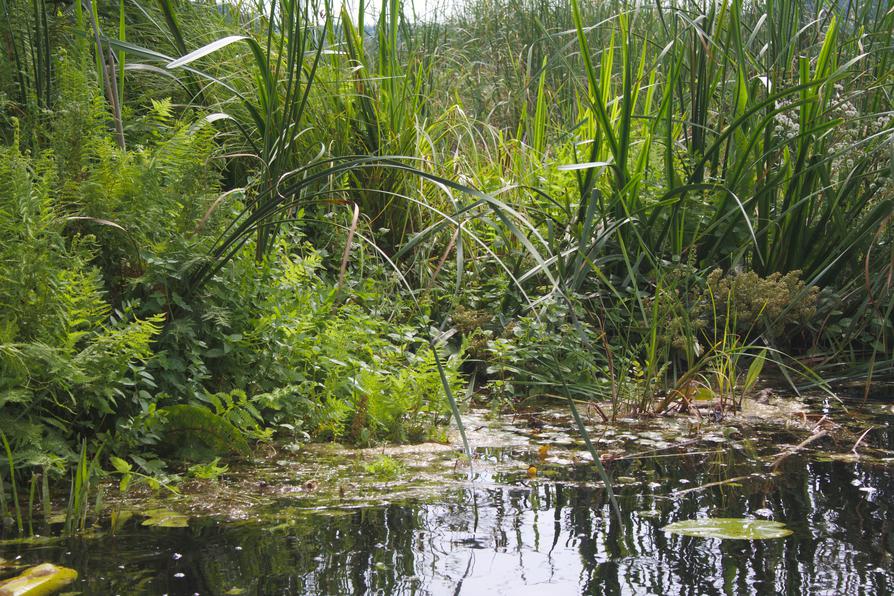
x: 40, y: 580
x: 729, y: 528
x: 164, y: 518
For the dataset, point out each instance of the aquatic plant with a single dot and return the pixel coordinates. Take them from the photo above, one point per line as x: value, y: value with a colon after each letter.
x: 730, y: 529
x: 211, y: 470
x: 384, y: 468
x: 45, y: 578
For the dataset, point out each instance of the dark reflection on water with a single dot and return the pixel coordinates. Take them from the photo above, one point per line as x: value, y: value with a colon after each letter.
x: 531, y: 537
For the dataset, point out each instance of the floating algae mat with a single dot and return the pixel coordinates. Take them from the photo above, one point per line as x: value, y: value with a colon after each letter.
x: 730, y: 528
x: 324, y: 519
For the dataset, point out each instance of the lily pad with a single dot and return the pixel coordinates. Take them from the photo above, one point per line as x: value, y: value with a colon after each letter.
x: 730, y: 528
x: 164, y: 518
x: 39, y: 580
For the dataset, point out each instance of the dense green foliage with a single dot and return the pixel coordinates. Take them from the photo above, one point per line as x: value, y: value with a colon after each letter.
x: 224, y: 222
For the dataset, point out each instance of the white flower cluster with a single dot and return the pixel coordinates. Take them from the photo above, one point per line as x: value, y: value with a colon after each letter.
x: 882, y: 121
x: 846, y: 134
x: 882, y: 180
x: 849, y: 138
x: 786, y: 121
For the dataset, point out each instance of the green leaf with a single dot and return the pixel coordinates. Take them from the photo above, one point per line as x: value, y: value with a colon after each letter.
x: 205, y: 50
x: 164, y: 518
x: 45, y: 578
x: 730, y: 528
x: 120, y: 465
x: 754, y: 370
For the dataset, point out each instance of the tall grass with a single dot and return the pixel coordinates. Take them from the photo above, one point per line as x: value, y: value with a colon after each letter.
x: 266, y: 104
x: 634, y: 135
x: 389, y: 109
x: 83, y: 485
x: 28, y: 41
x: 728, y: 134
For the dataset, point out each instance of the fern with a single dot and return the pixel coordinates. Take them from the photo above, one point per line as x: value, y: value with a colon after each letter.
x: 190, y: 427
x: 63, y: 360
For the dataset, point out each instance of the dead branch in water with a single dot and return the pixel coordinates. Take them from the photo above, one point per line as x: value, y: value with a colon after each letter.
x: 781, y: 457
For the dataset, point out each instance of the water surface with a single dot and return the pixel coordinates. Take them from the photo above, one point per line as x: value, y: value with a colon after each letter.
x: 505, y: 532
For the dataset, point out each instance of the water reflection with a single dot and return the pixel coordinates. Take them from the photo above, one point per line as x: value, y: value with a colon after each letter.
x: 532, y: 537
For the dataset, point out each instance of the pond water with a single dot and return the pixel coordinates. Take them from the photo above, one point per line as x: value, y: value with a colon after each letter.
x: 509, y: 529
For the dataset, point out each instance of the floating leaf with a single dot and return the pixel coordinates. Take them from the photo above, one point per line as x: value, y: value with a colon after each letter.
x: 730, y: 528
x: 164, y: 518
x: 39, y: 580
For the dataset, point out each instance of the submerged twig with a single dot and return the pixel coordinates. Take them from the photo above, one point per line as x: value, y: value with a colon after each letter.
x: 657, y: 455
x: 648, y: 451
x: 678, y: 493
x: 781, y: 457
x: 860, y: 440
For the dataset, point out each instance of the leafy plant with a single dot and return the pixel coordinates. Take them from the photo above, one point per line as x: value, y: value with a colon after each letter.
x: 208, y: 471
x: 189, y: 429
x: 385, y: 468
x: 63, y: 358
